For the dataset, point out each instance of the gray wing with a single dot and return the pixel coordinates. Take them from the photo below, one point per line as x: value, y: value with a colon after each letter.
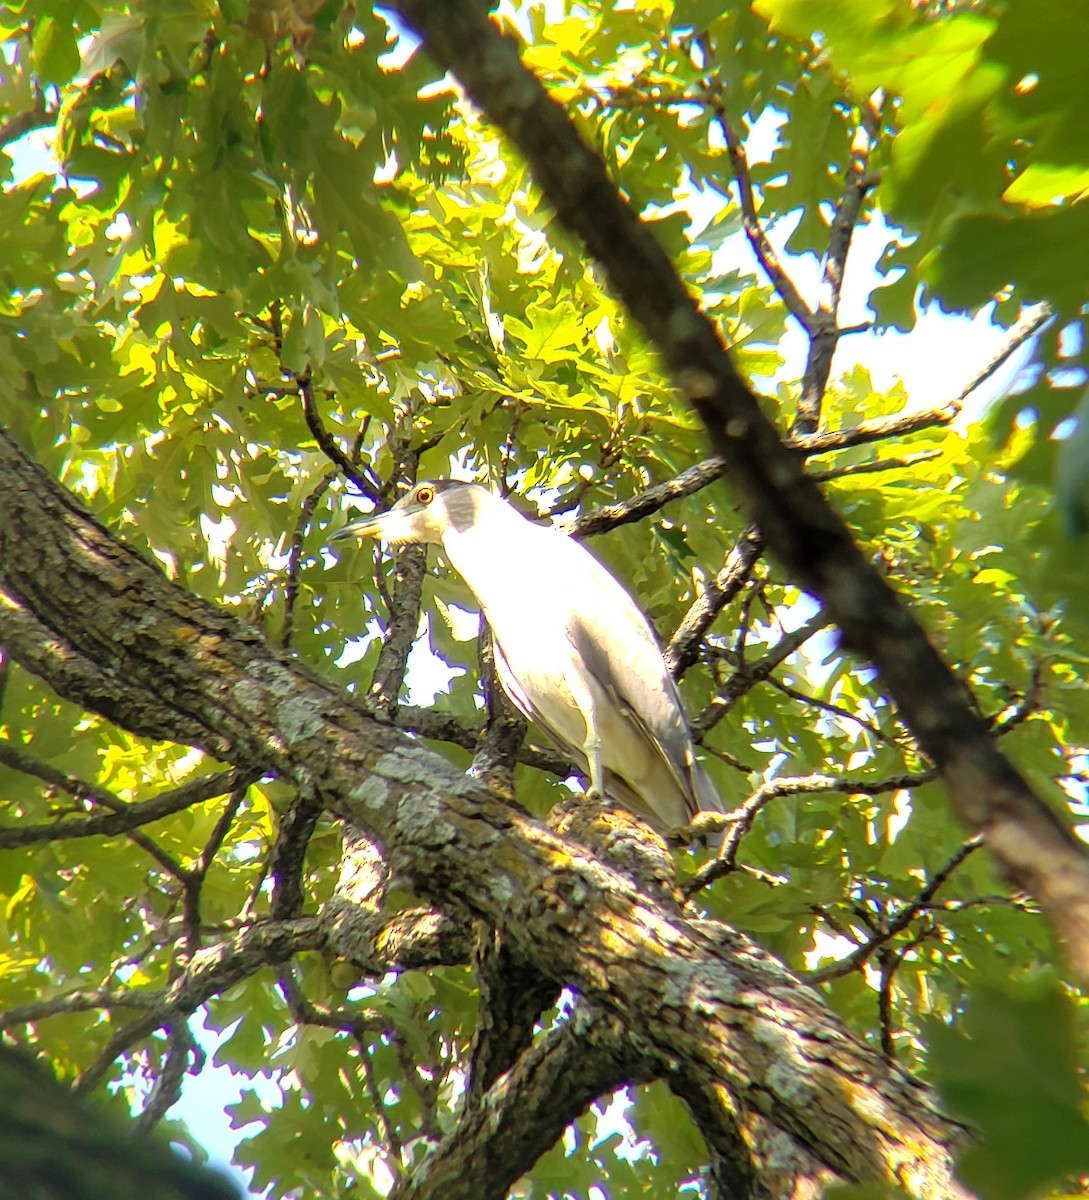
x: 622, y: 654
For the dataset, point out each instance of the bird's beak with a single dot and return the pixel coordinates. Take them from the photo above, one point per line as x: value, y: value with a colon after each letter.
x: 372, y: 526
x: 397, y: 526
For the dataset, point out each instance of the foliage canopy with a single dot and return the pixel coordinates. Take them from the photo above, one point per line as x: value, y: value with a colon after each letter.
x: 280, y: 266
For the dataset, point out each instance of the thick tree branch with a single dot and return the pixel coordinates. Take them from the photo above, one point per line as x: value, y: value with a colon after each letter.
x: 526, y: 1110
x: 1035, y: 849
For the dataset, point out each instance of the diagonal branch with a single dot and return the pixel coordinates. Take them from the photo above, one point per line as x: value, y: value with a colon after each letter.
x: 684, y: 646
x: 123, y: 818
x: 526, y: 1110
x: 761, y: 245
x: 748, y: 675
x: 903, y: 918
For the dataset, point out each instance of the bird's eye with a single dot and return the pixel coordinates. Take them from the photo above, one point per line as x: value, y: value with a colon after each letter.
x: 425, y: 494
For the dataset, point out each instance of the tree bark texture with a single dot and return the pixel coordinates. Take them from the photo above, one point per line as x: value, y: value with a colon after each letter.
x: 754, y: 1048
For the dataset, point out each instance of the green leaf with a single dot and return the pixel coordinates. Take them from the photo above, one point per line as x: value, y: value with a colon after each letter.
x: 1011, y: 1070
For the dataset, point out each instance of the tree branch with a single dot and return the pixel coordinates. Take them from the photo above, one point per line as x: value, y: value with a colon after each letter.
x: 824, y: 333
x: 294, y: 557
x: 738, y: 822
x: 900, y: 922
x: 123, y: 818
x: 527, y: 1109
x: 761, y: 245
x: 684, y: 646
x: 327, y: 443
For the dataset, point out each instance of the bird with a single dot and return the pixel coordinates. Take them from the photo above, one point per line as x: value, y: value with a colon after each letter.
x: 574, y: 651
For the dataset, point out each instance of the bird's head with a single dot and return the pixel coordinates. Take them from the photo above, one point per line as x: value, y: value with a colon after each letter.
x: 425, y: 514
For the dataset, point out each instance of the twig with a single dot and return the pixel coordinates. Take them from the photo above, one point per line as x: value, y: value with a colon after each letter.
x: 1029, y: 703
x: 875, y: 467
x: 164, y: 858
x: 750, y: 221
x: 395, y: 1156
x: 195, y: 876
x: 81, y: 1001
x: 744, y: 679
x: 125, y: 1037
x: 898, y: 923
x: 887, y: 963
x: 738, y: 822
x: 327, y: 443
x: 823, y: 333
x: 1025, y: 329
x: 506, y: 450
x: 647, y: 502
x: 833, y: 710
x: 288, y: 856
x: 876, y: 430
x: 123, y: 818
x: 683, y: 648
x: 294, y: 557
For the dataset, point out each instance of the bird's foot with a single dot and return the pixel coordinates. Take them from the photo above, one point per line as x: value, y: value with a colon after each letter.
x: 705, y: 829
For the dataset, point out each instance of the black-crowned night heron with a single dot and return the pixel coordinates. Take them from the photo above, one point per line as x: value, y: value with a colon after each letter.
x: 573, y: 650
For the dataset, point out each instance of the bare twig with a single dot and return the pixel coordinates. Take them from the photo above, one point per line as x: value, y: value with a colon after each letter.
x: 1023, y: 331
x: 394, y: 1158
x: 294, y: 557
x: 122, y: 817
x: 695, y: 478
x: 1017, y: 714
x: 647, y: 502
x: 833, y: 710
x: 899, y: 922
x: 327, y: 443
x: 875, y: 467
x: 824, y: 334
x: 746, y: 677
x: 761, y: 245
x: 684, y: 646
x: 738, y: 822
x: 288, y: 856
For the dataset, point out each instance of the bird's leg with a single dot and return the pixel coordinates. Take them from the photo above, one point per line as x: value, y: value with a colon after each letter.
x: 592, y: 749
x: 582, y: 693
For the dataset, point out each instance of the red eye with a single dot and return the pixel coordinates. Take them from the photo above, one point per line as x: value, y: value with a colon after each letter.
x: 425, y: 493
